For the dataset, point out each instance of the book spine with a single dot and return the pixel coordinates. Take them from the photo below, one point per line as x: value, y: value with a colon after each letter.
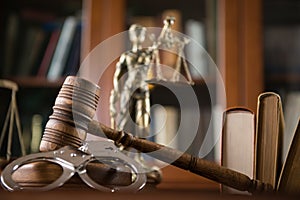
x: 289, y: 180
x: 196, y: 53
x: 165, y: 125
x: 11, y: 37
x: 46, y: 60
x: 292, y: 115
x: 73, y: 61
x: 37, y: 130
x: 238, y: 143
x: 269, y: 135
x: 62, y: 49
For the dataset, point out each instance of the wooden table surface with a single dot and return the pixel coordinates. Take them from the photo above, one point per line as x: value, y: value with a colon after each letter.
x: 176, y: 184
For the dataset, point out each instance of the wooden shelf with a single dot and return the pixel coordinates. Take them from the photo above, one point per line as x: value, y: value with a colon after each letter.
x: 284, y: 78
x: 285, y: 82
x: 37, y: 82
x: 162, y: 92
x: 186, y: 180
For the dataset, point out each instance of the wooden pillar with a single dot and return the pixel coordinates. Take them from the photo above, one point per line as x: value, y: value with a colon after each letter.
x: 240, y: 50
x: 102, y: 19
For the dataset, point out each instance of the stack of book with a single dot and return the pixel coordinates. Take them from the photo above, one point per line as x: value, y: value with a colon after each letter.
x: 41, y: 45
x: 252, y: 144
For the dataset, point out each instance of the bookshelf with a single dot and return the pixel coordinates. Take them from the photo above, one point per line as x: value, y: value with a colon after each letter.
x: 125, y: 13
x: 239, y: 51
x: 26, y: 28
x: 281, y: 50
x: 236, y: 30
x: 116, y: 15
x: 39, y: 93
x: 29, y: 30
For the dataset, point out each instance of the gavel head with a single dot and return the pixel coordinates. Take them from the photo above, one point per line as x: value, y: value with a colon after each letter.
x: 74, y: 108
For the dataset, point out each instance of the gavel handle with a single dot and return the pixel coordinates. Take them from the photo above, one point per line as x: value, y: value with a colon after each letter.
x: 182, y: 160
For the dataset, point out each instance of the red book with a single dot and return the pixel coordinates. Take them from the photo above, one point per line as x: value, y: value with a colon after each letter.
x: 43, y: 69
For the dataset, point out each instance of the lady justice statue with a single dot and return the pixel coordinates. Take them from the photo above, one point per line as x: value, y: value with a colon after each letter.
x: 130, y: 97
x: 130, y: 90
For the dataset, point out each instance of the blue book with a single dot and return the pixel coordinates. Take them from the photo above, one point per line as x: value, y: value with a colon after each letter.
x: 62, y: 49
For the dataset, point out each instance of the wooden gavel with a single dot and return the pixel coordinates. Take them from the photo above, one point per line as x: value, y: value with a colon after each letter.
x: 72, y: 119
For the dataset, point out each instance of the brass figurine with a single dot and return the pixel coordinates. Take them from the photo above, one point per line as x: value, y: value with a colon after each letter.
x: 130, y: 97
x: 132, y: 94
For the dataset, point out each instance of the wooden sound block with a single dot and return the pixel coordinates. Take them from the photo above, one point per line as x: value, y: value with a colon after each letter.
x: 42, y: 173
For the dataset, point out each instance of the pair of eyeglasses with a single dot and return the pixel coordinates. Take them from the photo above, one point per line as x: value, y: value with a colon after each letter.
x: 75, y: 161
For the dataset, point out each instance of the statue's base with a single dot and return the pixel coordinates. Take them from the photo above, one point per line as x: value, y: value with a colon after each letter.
x: 154, y: 177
